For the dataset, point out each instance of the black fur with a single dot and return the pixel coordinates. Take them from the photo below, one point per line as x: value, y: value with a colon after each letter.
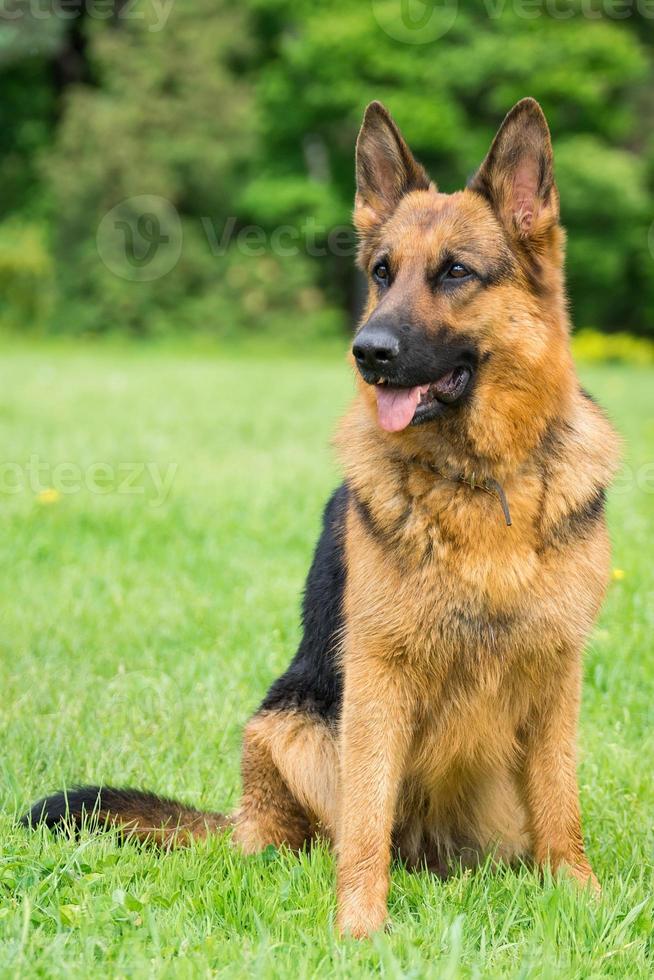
x: 372, y: 527
x: 386, y: 536
x: 84, y: 803
x: 424, y: 355
x: 313, y: 681
x: 579, y: 522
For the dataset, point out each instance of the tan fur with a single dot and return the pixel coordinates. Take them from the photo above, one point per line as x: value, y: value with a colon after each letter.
x: 155, y: 825
x: 290, y: 781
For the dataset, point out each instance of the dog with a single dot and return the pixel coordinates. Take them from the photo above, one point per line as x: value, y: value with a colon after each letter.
x: 431, y: 709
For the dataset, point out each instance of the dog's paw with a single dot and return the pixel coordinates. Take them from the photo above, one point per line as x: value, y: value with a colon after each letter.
x: 360, y: 923
x: 584, y: 877
x: 361, y: 899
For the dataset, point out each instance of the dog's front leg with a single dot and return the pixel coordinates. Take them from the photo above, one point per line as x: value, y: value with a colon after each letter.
x: 375, y: 734
x: 550, y: 777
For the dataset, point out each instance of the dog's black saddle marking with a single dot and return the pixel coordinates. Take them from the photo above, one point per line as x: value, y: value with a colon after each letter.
x: 314, y: 680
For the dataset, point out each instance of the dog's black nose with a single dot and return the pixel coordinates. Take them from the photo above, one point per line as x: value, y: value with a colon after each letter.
x: 376, y: 348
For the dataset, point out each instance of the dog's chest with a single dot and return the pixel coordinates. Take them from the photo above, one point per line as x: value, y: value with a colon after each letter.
x: 447, y: 547
x: 440, y: 578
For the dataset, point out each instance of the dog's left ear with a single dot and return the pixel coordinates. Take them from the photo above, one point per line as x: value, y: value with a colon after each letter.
x: 517, y: 176
x: 386, y: 169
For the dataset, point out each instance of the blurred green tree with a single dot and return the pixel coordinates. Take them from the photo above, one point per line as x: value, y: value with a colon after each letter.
x: 28, y: 47
x: 166, y: 117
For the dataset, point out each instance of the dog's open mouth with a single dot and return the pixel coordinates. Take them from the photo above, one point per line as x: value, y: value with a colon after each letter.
x: 399, y: 407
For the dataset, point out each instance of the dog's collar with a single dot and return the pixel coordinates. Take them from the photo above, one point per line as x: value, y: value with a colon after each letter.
x: 492, y: 487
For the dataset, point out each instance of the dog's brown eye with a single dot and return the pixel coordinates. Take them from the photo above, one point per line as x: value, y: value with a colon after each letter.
x: 380, y: 273
x: 457, y: 271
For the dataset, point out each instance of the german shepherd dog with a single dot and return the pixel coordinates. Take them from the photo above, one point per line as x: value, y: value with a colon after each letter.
x: 431, y: 709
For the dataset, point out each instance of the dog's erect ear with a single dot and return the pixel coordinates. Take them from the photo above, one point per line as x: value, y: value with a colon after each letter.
x: 517, y: 176
x: 385, y: 169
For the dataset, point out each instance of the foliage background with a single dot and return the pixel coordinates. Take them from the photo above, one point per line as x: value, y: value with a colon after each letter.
x: 245, y: 114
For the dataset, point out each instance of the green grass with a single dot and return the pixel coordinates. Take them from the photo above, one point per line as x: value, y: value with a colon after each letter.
x: 136, y: 639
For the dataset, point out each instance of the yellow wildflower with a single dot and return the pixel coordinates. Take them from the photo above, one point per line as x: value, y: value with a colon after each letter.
x: 49, y: 496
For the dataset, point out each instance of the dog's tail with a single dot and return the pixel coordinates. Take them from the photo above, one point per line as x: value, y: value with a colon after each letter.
x: 138, y: 814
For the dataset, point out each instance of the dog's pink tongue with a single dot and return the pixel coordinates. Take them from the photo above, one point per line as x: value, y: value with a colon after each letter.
x: 396, y: 406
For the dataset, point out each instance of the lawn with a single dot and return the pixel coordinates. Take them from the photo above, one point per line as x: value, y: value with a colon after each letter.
x: 141, y: 624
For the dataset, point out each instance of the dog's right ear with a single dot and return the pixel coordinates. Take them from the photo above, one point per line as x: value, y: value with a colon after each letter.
x: 385, y: 170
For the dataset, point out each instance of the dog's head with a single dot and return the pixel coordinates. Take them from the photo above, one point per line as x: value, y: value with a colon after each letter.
x: 465, y: 317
